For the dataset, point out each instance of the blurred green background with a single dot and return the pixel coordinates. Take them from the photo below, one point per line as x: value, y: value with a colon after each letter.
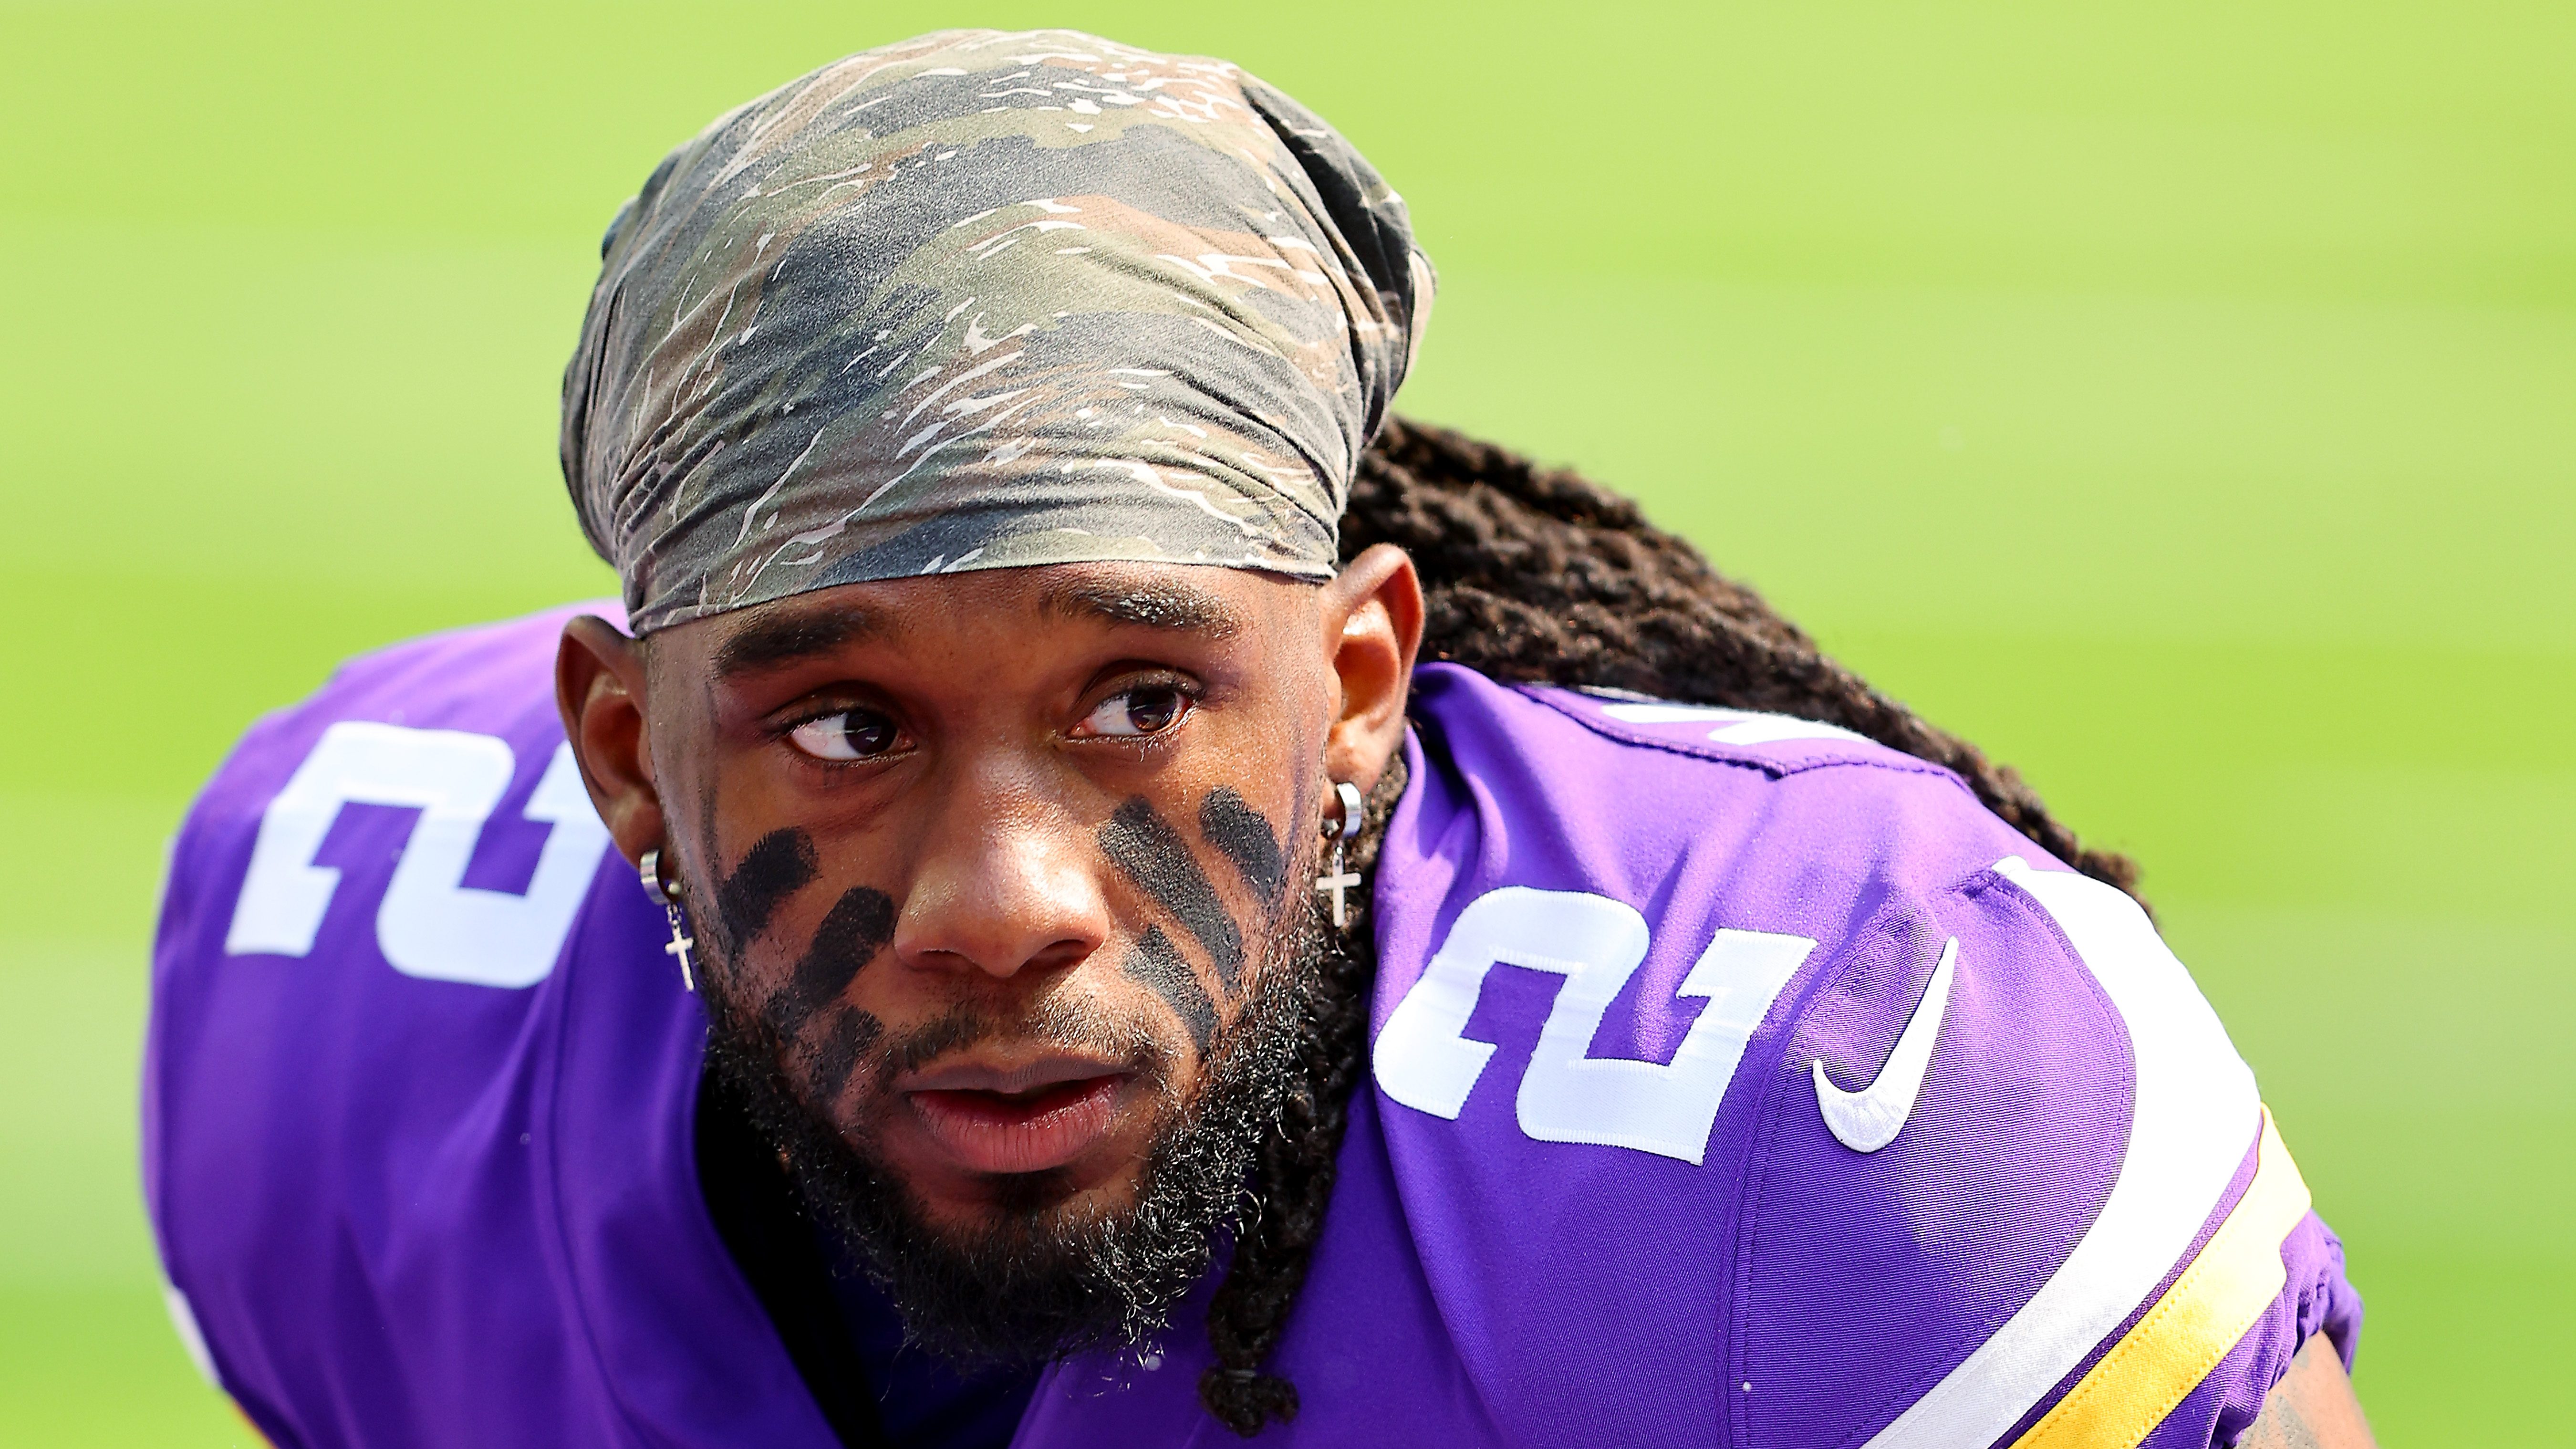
x: 2177, y: 398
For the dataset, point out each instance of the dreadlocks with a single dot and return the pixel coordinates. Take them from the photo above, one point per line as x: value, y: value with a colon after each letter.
x: 1535, y: 576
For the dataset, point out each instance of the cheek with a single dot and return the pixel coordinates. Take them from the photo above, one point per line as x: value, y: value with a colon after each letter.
x: 853, y: 934
x: 1258, y: 801
x: 1157, y: 965
x: 1203, y: 901
x: 1161, y: 865
x: 777, y: 866
x: 833, y: 1053
x: 1247, y: 838
x: 793, y: 972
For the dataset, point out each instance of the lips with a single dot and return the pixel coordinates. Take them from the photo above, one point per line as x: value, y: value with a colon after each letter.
x: 1029, y: 1118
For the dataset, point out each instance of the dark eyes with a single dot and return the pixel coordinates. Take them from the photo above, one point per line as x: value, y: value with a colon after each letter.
x: 863, y: 734
x: 852, y: 734
x: 1140, y: 709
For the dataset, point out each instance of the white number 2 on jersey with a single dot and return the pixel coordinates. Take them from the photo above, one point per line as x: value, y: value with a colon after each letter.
x: 431, y: 923
x: 1424, y: 1061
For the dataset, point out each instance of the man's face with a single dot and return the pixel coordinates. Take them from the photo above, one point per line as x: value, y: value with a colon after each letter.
x: 997, y: 871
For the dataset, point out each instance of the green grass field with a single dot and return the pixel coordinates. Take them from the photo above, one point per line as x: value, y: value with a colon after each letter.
x: 2178, y: 399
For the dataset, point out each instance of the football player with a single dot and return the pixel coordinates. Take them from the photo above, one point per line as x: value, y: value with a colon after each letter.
x: 1098, y: 890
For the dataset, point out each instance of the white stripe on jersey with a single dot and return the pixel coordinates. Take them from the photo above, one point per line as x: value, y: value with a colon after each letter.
x: 2195, y: 1114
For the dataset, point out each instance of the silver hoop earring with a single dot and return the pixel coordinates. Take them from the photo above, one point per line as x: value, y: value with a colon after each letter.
x: 1341, y: 878
x: 666, y: 894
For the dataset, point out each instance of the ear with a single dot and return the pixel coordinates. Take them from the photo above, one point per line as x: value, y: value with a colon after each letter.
x: 1372, y: 630
x: 599, y: 690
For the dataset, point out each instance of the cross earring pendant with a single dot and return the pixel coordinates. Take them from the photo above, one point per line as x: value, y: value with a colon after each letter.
x: 648, y: 869
x: 681, y: 942
x: 1342, y: 878
x: 1339, y: 881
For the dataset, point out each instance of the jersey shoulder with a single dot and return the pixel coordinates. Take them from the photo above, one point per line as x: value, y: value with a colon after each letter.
x: 1689, y: 871
x: 1942, y: 1119
x: 1683, y: 810
x: 420, y: 1085
x: 495, y: 679
x: 459, y: 726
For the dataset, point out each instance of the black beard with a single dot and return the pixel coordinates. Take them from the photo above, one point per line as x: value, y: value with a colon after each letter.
x: 1051, y: 1278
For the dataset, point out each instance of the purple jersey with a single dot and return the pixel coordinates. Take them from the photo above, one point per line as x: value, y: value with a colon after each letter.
x: 1735, y: 1080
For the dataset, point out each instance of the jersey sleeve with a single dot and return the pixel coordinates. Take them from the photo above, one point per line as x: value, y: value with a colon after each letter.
x: 2017, y: 1188
x: 210, y: 1320
x: 360, y: 984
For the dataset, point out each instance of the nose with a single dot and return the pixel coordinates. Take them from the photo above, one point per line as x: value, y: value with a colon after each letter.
x: 1005, y: 882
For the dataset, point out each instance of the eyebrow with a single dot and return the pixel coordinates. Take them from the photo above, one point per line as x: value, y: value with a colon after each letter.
x: 784, y: 639
x: 1163, y: 604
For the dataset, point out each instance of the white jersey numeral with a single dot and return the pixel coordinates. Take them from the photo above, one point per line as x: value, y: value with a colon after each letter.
x: 1424, y: 1060
x: 430, y: 924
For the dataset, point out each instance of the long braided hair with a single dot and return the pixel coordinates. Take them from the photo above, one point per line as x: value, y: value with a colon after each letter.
x: 1533, y: 575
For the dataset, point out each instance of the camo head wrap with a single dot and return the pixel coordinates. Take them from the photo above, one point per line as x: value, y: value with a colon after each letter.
x: 984, y: 300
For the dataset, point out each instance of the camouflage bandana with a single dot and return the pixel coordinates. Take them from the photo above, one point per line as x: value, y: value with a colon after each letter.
x: 986, y: 300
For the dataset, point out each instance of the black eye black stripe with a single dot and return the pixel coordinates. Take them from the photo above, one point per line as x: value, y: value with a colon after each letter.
x: 1234, y: 827
x: 859, y: 926
x: 847, y: 1034
x: 1152, y: 853
x: 1157, y: 963
x: 777, y: 866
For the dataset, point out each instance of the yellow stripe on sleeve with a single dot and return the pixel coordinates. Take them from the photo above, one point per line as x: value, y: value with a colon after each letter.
x: 2200, y: 1318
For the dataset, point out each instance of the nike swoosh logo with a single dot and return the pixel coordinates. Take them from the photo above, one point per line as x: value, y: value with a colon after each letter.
x: 1868, y: 1120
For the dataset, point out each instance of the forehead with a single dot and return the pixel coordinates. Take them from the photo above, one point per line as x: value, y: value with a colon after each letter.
x: 1202, y: 603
